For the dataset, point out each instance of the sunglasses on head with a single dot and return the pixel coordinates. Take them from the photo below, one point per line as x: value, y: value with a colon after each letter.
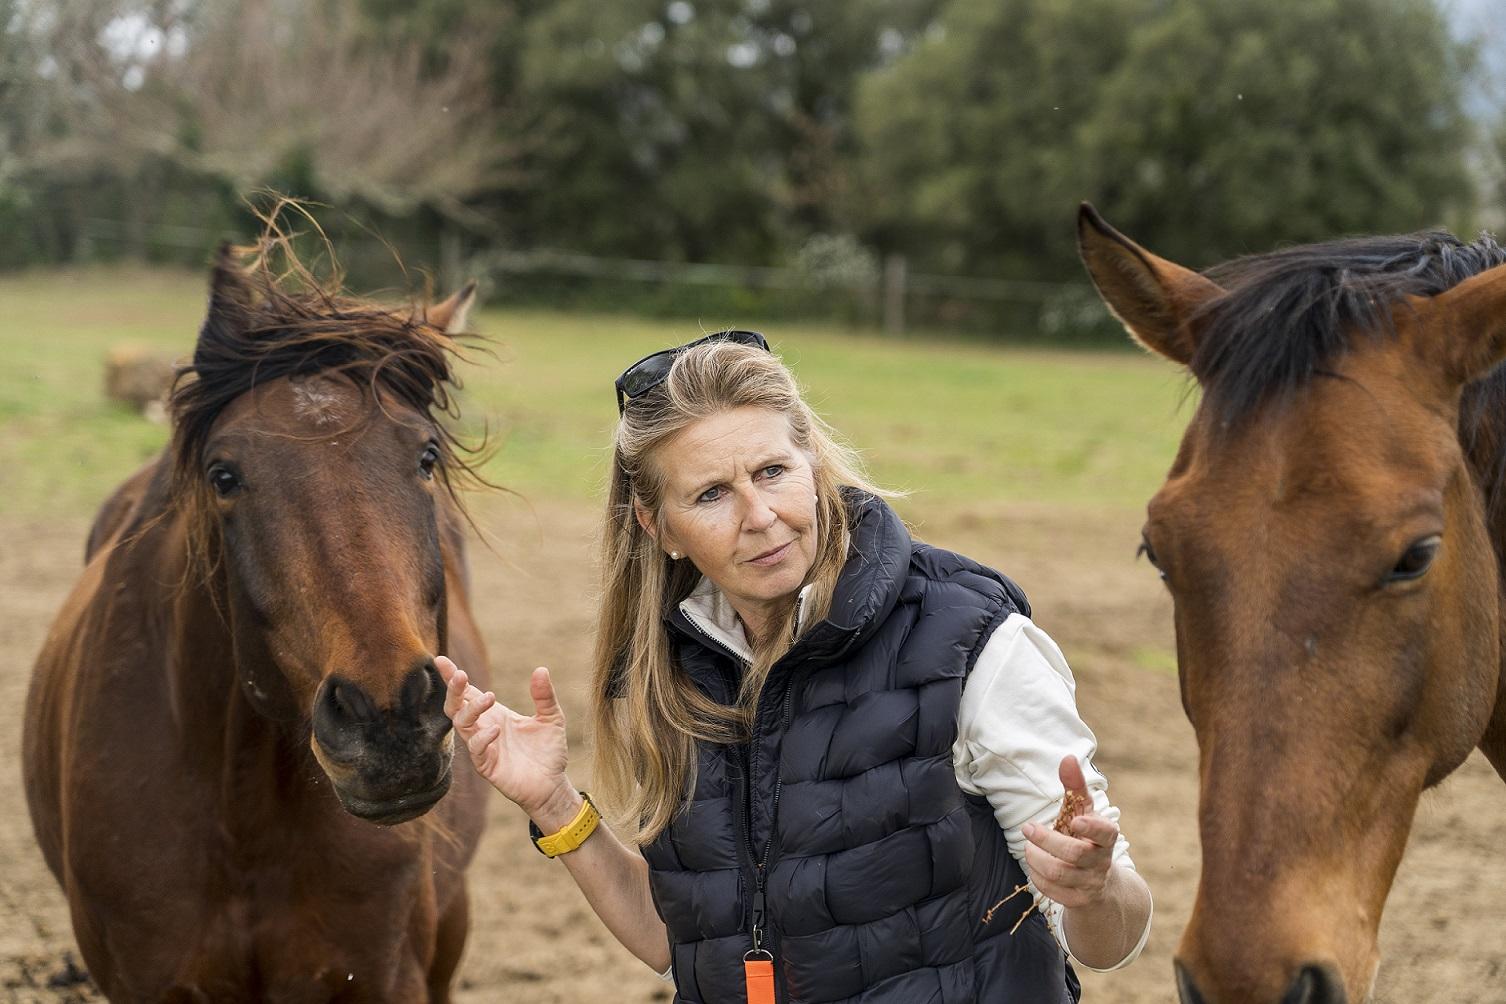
x: 653, y: 369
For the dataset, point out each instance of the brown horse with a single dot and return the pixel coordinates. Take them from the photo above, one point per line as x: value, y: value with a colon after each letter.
x: 1331, y: 532
x: 240, y: 688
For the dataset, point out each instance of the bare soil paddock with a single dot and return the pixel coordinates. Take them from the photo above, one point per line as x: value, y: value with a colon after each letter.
x: 534, y: 941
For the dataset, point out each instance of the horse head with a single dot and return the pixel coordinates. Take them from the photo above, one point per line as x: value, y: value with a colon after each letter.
x: 316, y: 478
x: 1328, y: 535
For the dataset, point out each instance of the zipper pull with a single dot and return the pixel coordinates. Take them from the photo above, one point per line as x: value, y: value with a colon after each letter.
x: 758, y: 913
x: 758, y: 965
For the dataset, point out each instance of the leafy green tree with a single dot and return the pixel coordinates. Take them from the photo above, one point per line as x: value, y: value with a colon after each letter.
x: 1207, y: 130
x: 1284, y: 122
x: 707, y: 130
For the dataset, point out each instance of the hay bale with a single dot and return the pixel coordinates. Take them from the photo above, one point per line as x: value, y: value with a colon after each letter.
x: 140, y: 378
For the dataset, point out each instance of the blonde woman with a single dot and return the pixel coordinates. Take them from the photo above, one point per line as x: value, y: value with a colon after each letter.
x: 830, y: 750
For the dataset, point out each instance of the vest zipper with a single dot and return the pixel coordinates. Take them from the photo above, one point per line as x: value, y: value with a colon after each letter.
x: 750, y: 765
x: 749, y: 760
x: 761, y: 862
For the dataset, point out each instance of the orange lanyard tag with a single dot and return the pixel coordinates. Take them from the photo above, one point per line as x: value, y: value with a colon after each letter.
x: 760, y: 977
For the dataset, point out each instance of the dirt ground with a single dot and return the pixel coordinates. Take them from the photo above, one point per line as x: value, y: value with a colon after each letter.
x: 534, y: 941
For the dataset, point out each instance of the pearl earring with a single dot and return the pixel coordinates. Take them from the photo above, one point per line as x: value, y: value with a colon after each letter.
x: 674, y: 555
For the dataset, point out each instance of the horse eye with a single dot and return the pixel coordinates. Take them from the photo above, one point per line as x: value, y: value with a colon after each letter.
x: 1150, y: 556
x: 223, y: 480
x: 1417, y: 560
x: 427, y: 460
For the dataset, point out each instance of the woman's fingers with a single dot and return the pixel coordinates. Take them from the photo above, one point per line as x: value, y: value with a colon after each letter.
x: 1055, y: 877
x: 1070, y: 772
x: 479, y: 740
x: 1096, y: 830
x: 1070, y: 869
x: 457, y: 686
x: 454, y: 684
x: 1075, y: 851
x: 472, y: 710
x: 545, y: 704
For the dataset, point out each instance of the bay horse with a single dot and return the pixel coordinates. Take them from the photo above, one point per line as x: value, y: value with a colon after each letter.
x: 1331, y: 534
x: 237, y: 705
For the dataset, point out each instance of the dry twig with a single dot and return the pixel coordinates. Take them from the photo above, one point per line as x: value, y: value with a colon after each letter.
x: 1074, y: 804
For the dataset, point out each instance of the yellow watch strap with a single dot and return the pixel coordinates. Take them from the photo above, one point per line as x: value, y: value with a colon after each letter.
x: 574, y: 833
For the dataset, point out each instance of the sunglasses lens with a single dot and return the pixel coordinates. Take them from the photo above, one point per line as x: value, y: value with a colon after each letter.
x: 647, y: 373
x: 650, y: 371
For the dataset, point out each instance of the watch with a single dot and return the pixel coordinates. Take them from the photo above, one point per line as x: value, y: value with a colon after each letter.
x: 571, y: 835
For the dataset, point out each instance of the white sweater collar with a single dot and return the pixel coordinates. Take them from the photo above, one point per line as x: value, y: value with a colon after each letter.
x: 709, y: 609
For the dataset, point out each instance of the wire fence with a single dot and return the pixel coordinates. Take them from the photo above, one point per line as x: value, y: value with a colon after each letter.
x: 888, y: 295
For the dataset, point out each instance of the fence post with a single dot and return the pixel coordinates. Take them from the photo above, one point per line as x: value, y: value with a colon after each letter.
x: 451, y: 255
x: 894, y: 294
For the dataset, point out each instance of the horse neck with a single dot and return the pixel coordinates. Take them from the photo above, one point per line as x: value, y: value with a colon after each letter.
x: 1482, y: 435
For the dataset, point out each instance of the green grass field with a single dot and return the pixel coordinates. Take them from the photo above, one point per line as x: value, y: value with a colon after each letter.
x: 955, y: 423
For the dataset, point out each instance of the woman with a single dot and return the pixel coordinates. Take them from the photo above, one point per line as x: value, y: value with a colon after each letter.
x: 832, y: 747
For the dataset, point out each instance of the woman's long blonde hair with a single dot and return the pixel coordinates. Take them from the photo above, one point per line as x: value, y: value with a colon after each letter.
x: 647, y: 714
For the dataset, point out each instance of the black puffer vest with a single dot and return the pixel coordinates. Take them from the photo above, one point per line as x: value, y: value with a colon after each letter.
x: 839, y: 829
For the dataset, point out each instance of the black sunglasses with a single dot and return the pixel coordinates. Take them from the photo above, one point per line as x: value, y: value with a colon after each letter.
x: 652, y: 370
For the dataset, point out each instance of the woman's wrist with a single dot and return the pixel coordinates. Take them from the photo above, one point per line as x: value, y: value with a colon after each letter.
x: 1103, y: 934
x: 557, y: 810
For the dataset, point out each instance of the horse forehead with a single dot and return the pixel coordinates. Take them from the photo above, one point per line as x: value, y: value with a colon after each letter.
x: 321, y: 401
x: 318, y: 401
x: 317, y: 404
x: 1357, y: 436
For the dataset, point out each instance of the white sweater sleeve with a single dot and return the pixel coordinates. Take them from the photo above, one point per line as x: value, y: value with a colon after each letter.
x: 1017, y: 720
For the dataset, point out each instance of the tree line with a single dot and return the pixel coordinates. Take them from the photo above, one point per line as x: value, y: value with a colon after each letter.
x: 959, y: 133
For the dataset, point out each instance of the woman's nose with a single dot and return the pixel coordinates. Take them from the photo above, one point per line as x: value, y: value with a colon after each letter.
x: 757, y: 513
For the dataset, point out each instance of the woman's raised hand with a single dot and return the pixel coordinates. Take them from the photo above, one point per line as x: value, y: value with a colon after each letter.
x: 1072, y: 867
x: 524, y: 757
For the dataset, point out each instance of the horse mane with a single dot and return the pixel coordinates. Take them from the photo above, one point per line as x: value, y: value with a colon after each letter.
x: 1482, y: 434
x: 270, y: 317
x: 1289, y: 315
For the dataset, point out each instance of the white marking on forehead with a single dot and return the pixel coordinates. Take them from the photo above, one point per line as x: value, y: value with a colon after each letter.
x: 318, y: 401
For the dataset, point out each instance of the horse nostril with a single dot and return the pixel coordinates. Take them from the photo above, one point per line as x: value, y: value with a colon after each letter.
x: 420, y: 687
x: 1316, y: 984
x: 422, y: 698
x: 1186, y: 990
x: 343, y: 704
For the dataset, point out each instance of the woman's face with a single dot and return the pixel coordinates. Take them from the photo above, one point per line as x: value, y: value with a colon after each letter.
x: 739, y: 501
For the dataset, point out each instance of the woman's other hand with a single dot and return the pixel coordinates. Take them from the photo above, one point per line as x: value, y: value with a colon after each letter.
x: 523, y: 756
x: 1072, y: 868
x: 1107, y: 907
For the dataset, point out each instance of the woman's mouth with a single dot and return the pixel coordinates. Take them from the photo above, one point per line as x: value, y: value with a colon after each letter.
x: 773, y: 557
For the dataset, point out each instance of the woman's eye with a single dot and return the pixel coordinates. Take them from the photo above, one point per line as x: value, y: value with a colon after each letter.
x: 223, y: 480
x: 1416, y: 560
x: 427, y: 460
x: 773, y: 470
x: 710, y: 495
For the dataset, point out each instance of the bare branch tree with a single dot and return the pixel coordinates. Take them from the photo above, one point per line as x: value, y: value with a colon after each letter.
x: 239, y: 90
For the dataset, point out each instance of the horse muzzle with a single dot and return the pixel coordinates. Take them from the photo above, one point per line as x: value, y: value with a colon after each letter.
x: 1315, y: 983
x: 386, y: 765
x: 397, y: 809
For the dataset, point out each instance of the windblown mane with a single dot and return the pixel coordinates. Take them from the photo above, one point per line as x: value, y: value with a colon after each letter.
x: 263, y: 325
x: 1291, y: 314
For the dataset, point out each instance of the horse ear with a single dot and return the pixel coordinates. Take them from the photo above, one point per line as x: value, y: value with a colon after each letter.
x: 450, y: 313
x: 1152, y: 297
x: 230, y: 301
x: 1469, y: 322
